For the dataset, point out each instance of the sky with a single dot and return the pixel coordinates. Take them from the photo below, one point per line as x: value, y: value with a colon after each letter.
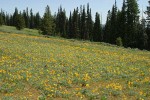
x: 100, y: 6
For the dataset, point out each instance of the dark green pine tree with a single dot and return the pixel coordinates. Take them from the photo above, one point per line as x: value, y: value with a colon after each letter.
x: 113, y: 22
x: 70, y: 35
x: 26, y: 18
x: 61, y: 22
x: 67, y: 28
x: 7, y: 18
x: 11, y: 20
x: 31, y: 20
x: 107, y: 28
x: 47, y: 26
x: 57, y: 22
x: 79, y: 25
x: 111, y: 28
x: 148, y: 24
x: 132, y: 23
x: 122, y: 23
x: 83, y: 33
x: 20, y: 23
x: 15, y: 17
x: 89, y: 24
x: 97, y: 30
x: 37, y: 21
x: 142, y: 35
x: 75, y: 26
x: 1, y: 19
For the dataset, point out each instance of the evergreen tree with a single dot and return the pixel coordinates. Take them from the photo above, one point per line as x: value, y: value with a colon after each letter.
x: 67, y: 28
x: 75, y: 27
x: 97, y: 31
x: 61, y: 22
x: 20, y: 23
x: 31, y: 20
x: 70, y: 26
x: 132, y: 23
x: 111, y: 27
x: 3, y: 17
x: 47, y: 26
x: 1, y: 20
x: 148, y: 24
x: 79, y: 25
x: 83, y: 33
x: 11, y: 20
x: 113, y: 22
x: 122, y: 23
x: 148, y: 15
x: 26, y: 17
x: 7, y: 18
x: 37, y: 21
x: 142, y: 35
x: 89, y: 23
x: 15, y: 17
x: 107, y: 28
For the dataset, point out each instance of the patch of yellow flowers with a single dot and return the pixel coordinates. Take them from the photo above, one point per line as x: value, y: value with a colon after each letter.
x: 61, y: 68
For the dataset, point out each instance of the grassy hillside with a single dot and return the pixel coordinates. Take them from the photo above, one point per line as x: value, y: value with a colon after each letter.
x: 34, y: 68
x: 11, y: 29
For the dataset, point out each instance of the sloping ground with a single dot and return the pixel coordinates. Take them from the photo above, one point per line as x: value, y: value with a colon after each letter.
x: 36, y: 67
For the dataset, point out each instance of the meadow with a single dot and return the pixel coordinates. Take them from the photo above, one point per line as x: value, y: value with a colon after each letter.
x: 39, y: 68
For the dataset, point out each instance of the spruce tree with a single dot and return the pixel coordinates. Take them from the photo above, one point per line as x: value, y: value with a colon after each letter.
x: 79, y: 25
x: 75, y: 27
x: 122, y: 23
x: 20, y: 23
x: 107, y: 28
x: 1, y: 20
x: 24, y: 16
x: 37, y: 21
x: 113, y: 22
x: 3, y: 17
x: 142, y: 35
x: 27, y: 19
x: 83, y: 33
x: 7, y: 18
x: 111, y: 27
x: 97, y: 31
x: 89, y: 23
x: 148, y: 24
x: 67, y: 28
x: 47, y: 26
x: 31, y: 19
x: 132, y: 23
x: 61, y: 22
x: 11, y: 20
x: 15, y: 17
x: 70, y: 26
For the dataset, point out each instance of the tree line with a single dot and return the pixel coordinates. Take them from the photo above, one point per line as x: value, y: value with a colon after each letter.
x: 123, y: 27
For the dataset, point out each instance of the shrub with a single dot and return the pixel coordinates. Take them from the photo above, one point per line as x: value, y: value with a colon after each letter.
x: 119, y: 41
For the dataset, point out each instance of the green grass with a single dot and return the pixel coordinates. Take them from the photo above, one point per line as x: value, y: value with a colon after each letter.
x: 33, y: 67
x: 11, y: 29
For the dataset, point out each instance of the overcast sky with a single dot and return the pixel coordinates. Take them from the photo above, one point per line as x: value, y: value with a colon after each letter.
x: 100, y: 6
